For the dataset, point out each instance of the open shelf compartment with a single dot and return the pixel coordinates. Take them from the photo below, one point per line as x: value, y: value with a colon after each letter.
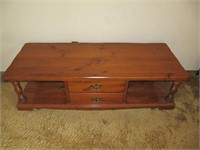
x: 148, y: 93
x: 45, y: 92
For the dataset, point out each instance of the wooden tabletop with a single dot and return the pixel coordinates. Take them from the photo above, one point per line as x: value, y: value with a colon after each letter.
x: 69, y: 61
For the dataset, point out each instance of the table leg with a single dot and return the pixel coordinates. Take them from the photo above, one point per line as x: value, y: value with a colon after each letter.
x: 19, y: 91
x: 173, y: 90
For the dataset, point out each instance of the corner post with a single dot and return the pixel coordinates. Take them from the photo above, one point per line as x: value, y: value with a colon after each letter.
x: 173, y: 90
x: 19, y: 91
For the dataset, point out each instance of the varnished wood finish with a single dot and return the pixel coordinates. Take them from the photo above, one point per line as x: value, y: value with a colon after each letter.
x: 90, y: 98
x: 69, y: 61
x: 19, y: 91
x: 95, y: 75
x: 53, y: 95
x: 161, y: 105
x: 143, y: 92
x: 126, y: 92
x: 96, y: 86
x: 173, y: 90
x: 46, y: 93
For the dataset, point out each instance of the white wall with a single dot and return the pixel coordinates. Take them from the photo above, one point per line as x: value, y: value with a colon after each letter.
x: 199, y: 31
x: 0, y: 35
x: 174, y: 22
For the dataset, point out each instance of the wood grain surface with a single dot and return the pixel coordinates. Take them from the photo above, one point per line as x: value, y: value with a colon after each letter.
x: 92, y: 86
x: 69, y: 61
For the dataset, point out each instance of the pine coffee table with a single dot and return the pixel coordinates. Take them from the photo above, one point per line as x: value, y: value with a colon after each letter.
x: 95, y: 76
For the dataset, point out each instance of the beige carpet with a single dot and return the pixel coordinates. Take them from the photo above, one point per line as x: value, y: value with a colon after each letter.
x: 109, y: 129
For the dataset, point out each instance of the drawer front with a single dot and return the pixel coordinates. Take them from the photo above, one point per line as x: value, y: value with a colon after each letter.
x: 96, y: 98
x: 96, y: 86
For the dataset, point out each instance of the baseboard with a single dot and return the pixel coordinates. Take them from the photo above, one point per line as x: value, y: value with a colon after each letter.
x: 193, y: 71
x: 1, y: 74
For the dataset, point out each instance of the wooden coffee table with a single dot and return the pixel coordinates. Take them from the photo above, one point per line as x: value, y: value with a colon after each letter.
x: 95, y: 76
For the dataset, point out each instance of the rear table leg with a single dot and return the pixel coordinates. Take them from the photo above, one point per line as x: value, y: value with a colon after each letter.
x: 173, y: 90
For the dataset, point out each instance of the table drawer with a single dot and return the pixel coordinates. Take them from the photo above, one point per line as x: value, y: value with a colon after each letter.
x: 96, y: 98
x: 96, y: 86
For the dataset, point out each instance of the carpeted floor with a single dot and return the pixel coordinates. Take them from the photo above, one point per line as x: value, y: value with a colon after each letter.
x: 108, y: 129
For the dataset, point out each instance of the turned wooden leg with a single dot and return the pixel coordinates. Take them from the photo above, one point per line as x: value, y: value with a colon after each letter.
x: 19, y: 91
x: 173, y: 90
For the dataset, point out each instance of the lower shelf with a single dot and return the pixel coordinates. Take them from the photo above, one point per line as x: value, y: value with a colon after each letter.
x: 147, y: 92
x: 54, y: 95
x: 45, y: 93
